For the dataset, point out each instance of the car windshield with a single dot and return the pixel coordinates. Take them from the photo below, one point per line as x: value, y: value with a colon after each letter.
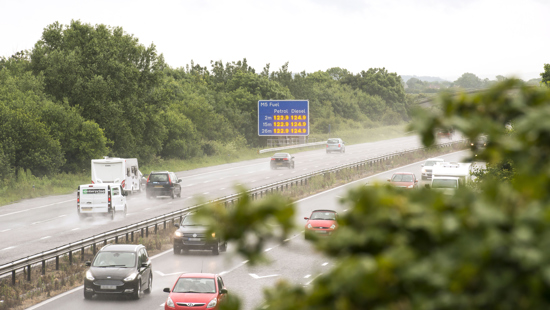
x: 430, y: 163
x: 333, y: 141
x: 402, y: 178
x: 159, y: 178
x: 323, y: 216
x: 444, y: 183
x: 191, y: 221
x: 280, y: 155
x: 115, y: 259
x: 195, y: 285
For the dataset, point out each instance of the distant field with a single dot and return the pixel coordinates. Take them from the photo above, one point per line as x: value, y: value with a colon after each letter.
x: 29, y: 186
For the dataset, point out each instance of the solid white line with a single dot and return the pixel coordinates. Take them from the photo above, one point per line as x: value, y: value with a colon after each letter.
x: 52, y: 204
x: 5, y: 230
x: 47, y: 301
x: 8, y: 248
x: 313, y: 279
x: 372, y: 176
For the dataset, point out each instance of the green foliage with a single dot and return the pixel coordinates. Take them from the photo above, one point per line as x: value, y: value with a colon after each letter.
x: 546, y: 75
x: 477, y: 249
x: 469, y: 80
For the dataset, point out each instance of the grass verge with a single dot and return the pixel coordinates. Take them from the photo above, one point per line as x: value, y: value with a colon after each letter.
x: 41, y: 287
x: 27, y: 185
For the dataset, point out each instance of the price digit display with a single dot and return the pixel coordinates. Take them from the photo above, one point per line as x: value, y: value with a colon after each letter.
x: 283, y: 118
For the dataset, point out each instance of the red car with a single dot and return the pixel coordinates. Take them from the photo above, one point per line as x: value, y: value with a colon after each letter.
x: 404, y: 179
x: 196, y: 291
x: 321, y: 223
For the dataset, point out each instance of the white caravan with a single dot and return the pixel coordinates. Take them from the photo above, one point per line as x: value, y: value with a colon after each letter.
x: 447, y: 177
x: 106, y: 199
x: 117, y: 170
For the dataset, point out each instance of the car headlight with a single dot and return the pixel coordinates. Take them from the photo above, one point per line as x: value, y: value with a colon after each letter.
x: 213, y: 235
x: 308, y: 225
x: 170, y: 303
x: 212, y: 303
x: 471, y: 144
x: 89, y: 275
x: 410, y: 186
x: 333, y: 226
x: 179, y: 233
x: 423, y: 170
x: 131, y: 277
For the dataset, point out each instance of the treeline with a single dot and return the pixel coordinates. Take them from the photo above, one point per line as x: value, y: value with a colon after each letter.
x: 467, y: 81
x: 87, y: 91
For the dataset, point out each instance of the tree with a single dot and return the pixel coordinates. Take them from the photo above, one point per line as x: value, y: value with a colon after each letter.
x: 546, y: 74
x: 394, y: 249
x: 469, y: 80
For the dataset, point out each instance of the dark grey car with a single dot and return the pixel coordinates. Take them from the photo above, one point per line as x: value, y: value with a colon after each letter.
x: 163, y: 183
x: 192, y: 235
x: 119, y: 269
x: 282, y: 160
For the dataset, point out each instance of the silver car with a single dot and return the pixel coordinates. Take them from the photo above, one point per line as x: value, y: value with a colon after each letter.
x: 336, y: 145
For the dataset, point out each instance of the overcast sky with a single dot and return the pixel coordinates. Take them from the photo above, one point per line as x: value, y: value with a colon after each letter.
x: 443, y: 38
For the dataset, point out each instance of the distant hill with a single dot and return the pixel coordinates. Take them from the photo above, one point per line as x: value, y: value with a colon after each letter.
x: 423, y: 78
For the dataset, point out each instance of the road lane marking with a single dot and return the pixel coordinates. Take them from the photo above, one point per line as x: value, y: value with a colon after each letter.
x: 160, y: 273
x: 52, y: 204
x: 146, y: 209
x: 222, y: 188
x: 307, y: 276
x: 267, y: 250
x: 313, y: 279
x: 233, y: 269
x: 255, y: 276
x: 5, y: 230
x: 205, y: 193
x: 267, y: 178
x: 8, y: 248
x: 49, y: 219
x: 205, y: 181
x: 324, y: 264
x: 79, y: 227
x: 195, y: 175
x: 280, y: 174
x: 45, y: 237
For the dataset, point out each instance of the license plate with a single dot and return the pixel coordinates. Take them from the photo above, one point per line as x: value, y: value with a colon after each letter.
x: 108, y: 287
x: 159, y: 186
x: 194, y: 239
x: 86, y: 209
x: 321, y: 231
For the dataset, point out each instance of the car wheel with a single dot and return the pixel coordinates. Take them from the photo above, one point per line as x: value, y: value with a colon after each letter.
x: 293, y: 165
x: 215, y: 250
x: 88, y: 295
x: 149, y: 285
x: 112, y: 215
x: 172, y: 196
x: 81, y: 216
x: 223, y: 248
x: 177, y: 251
x: 138, y: 293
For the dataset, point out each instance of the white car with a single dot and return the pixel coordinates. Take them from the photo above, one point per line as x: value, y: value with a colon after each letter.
x: 336, y: 145
x: 106, y: 199
x: 427, y: 167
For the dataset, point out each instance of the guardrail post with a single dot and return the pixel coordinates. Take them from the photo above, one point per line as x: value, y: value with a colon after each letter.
x: 127, y: 238
x: 13, y: 277
x: 132, y: 236
x: 116, y: 239
x: 43, y: 267
x: 164, y: 225
x: 70, y: 257
x: 105, y: 242
x: 29, y: 273
x: 156, y: 228
x: 146, y: 232
x: 57, y: 262
x: 82, y: 254
x: 93, y: 248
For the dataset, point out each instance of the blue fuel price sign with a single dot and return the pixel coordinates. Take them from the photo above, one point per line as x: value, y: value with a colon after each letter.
x: 283, y: 117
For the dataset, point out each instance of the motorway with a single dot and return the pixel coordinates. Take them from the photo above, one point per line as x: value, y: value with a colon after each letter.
x: 295, y: 260
x: 34, y: 225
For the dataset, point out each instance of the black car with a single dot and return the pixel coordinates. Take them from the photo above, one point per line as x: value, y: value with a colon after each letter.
x: 282, y: 160
x: 163, y: 183
x: 123, y: 269
x: 191, y: 235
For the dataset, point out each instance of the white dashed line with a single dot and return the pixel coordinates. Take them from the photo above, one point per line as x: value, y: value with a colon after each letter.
x: 222, y: 188
x: 79, y: 227
x: 45, y: 237
x: 267, y: 178
x: 8, y: 248
x: 49, y: 219
x: 324, y: 264
x: 205, y: 193
x: 205, y: 181
x: 5, y: 230
x: 267, y: 250
x: 280, y: 174
x: 146, y: 209
x: 307, y: 276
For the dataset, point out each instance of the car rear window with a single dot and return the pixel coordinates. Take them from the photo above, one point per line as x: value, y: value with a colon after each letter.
x: 280, y: 155
x: 442, y: 183
x: 332, y: 141
x: 159, y: 178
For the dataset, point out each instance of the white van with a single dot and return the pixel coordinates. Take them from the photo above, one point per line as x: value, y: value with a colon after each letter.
x: 449, y: 176
x: 117, y: 170
x: 428, y: 165
x: 106, y: 199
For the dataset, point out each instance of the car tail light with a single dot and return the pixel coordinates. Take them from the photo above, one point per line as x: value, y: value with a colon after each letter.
x: 327, y: 145
x: 77, y: 198
x: 148, y: 178
x: 272, y: 158
x: 339, y: 145
x: 123, y: 183
x: 169, y: 180
x: 93, y: 182
x: 285, y: 158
